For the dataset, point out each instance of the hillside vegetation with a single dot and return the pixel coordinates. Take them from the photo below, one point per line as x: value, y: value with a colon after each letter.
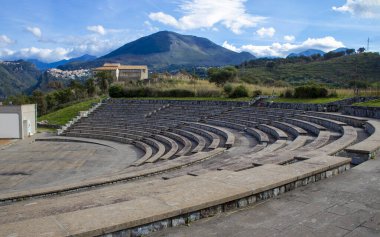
x: 17, y: 76
x: 62, y: 116
x: 335, y: 72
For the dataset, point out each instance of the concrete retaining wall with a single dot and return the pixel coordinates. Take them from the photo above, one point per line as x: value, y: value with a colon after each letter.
x: 361, y: 111
x: 327, y: 107
x: 181, y: 102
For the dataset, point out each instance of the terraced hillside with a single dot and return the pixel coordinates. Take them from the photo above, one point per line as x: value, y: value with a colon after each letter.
x: 196, y: 159
x: 335, y: 72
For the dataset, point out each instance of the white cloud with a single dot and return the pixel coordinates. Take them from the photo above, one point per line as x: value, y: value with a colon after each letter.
x: 263, y: 32
x: 44, y: 54
x: 361, y: 8
x: 35, y: 31
x: 99, y: 29
x: 325, y: 44
x: 76, y: 46
x: 206, y: 13
x: 289, y: 38
x: 150, y: 26
x: 4, y: 40
x: 4, y: 53
x: 231, y: 47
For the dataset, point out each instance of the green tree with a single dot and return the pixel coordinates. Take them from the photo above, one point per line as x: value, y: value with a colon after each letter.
x: 361, y: 50
x: 39, y: 98
x: 104, y: 79
x: 91, y: 87
x: 51, y: 101
x: 220, y: 76
x: 270, y: 65
x: 350, y: 51
x: 239, y: 91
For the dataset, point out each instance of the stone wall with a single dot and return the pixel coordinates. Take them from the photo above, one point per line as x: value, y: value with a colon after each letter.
x: 361, y: 111
x: 327, y: 107
x: 181, y: 102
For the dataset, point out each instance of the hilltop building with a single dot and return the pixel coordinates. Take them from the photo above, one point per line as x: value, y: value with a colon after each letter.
x: 17, y: 121
x: 124, y: 73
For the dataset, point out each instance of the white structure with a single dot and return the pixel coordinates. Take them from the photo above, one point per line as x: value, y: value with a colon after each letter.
x: 18, y: 121
x: 124, y: 73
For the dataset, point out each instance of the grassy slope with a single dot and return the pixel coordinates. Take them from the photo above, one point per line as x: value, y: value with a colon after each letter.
x: 334, y: 71
x: 62, y: 116
x: 372, y: 103
x: 307, y: 101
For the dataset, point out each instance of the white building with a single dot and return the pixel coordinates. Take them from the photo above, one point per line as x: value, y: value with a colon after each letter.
x: 18, y: 121
x: 124, y: 73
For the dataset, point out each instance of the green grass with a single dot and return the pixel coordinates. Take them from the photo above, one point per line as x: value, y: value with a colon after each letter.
x: 49, y: 130
x: 307, y: 101
x: 62, y: 116
x: 371, y: 103
x: 191, y: 98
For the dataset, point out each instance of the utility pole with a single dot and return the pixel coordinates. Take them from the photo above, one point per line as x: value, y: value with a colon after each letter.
x: 368, y: 44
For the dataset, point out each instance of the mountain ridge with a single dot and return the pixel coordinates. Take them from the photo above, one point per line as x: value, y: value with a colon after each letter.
x: 165, y: 48
x: 307, y: 53
x: 44, y: 66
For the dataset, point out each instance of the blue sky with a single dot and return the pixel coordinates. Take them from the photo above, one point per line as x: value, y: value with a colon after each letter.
x: 51, y: 30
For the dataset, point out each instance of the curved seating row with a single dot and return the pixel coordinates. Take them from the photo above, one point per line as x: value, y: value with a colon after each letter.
x: 284, y: 135
x: 229, y: 136
x: 214, y: 139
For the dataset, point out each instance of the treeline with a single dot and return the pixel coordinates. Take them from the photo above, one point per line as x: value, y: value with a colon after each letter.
x: 308, y: 91
x: 272, y: 62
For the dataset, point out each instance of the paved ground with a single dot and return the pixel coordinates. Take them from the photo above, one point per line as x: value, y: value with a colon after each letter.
x: 346, y: 205
x: 26, y: 164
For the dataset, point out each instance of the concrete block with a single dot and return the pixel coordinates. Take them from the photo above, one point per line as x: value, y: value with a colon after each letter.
x: 243, y: 202
x: 160, y: 225
x: 323, y: 175
x: 290, y: 186
x: 122, y: 233
x: 142, y: 230
x: 179, y: 220
x: 251, y: 199
x: 298, y: 184
x: 230, y: 206
x: 317, y: 177
x: 276, y: 192
x: 211, y: 211
x: 329, y: 174
x: 193, y: 217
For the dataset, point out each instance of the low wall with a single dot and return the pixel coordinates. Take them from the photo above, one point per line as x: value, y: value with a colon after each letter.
x: 327, y: 107
x: 45, y: 125
x: 181, y: 102
x: 361, y: 111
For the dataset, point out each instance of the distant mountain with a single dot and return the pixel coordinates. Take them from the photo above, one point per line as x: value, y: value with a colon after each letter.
x: 338, y: 50
x: 44, y: 66
x: 17, y: 76
x: 307, y: 53
x: 166, y: 48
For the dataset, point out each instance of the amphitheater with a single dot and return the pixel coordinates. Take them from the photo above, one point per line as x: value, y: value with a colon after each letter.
x: 133, y: 167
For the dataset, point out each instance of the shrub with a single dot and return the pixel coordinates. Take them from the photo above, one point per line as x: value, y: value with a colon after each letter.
x: 288, y: 93
x: 209, y: 92
x: 333, y: 94
x: 257, y: 93
x: 228, y: 88
x: 116, y: 91
x: 310, y: 92
x: 176, y: 93
x: 239, y: 91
